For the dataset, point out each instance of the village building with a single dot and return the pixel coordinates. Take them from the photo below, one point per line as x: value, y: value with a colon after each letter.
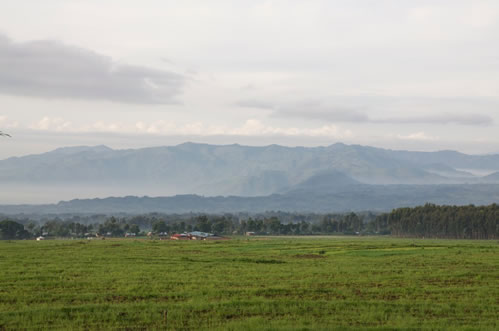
x: 180, y: 236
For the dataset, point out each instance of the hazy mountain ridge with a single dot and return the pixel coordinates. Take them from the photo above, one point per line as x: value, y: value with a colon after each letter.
x: 234, y: 170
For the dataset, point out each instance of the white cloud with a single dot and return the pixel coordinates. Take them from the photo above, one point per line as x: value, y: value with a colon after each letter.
x: 105, y: 127
x: 419, y: 136
x: 254, y: 127
x: 52, y: 124
x: 251, y: 127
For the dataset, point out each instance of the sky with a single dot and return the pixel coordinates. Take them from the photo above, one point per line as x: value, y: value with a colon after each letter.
x: 416, y: 75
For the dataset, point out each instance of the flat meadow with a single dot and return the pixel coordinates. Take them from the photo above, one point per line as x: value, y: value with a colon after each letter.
x: 255, y: 283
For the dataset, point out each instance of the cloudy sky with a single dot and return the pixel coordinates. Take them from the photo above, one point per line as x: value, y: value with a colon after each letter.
x: 398, y: 74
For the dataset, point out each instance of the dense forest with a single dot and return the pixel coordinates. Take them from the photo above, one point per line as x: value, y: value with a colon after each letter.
x: 428, y: 221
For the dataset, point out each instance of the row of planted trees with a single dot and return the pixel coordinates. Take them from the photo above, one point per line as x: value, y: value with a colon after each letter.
x: 432, y: 221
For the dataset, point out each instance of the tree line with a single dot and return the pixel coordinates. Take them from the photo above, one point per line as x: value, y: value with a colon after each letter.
x: 218, y: 224
x: 428, y: 221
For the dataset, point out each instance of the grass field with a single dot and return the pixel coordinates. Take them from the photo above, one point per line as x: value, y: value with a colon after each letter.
x: 273, y: 283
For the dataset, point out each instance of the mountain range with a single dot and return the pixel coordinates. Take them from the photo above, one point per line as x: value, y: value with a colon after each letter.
x: 325, y: 178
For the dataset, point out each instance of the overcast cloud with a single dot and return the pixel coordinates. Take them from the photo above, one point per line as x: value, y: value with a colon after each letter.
x: 390, y: 73
x: 52, y: 69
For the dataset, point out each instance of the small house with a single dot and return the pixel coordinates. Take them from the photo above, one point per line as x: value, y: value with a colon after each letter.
x: 181, y: 236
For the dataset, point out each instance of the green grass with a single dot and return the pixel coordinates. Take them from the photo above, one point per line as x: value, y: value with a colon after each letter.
x: 257, y: 284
